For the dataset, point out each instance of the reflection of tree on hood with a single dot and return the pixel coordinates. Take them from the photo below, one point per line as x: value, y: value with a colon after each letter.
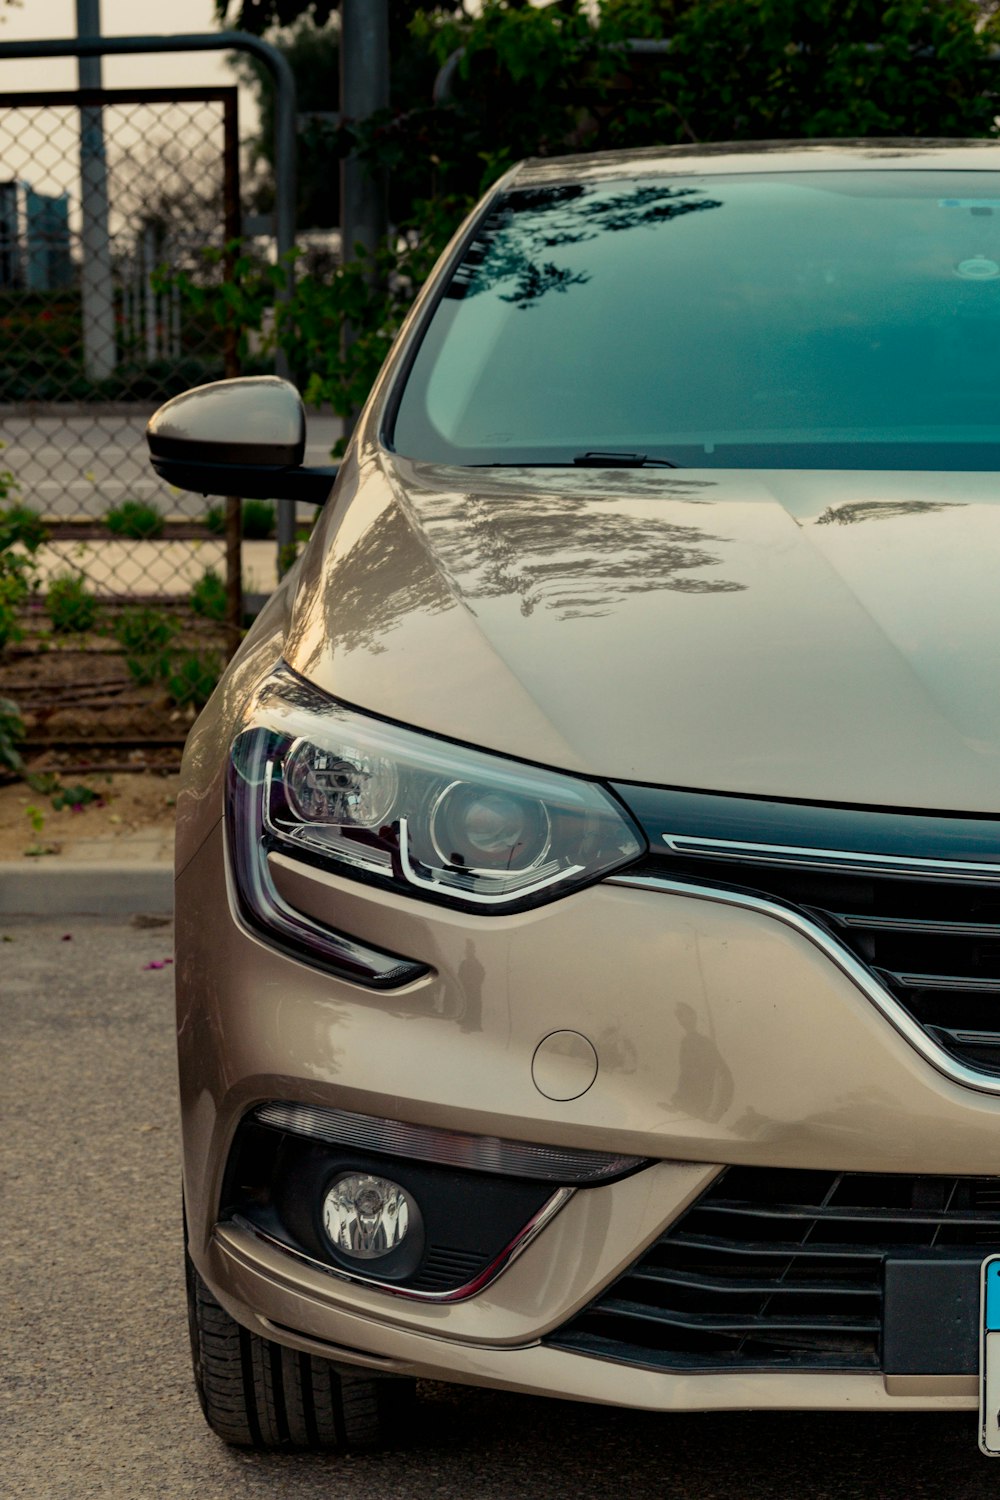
x: 511, y: 244
x: 567, y: 553
x: 880, y: 510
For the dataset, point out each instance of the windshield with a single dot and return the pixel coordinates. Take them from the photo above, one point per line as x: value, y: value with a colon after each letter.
x: 802, y: 320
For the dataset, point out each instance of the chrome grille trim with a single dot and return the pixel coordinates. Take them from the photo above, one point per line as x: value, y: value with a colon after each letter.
x: 831, y: 859
x: 857, y: 972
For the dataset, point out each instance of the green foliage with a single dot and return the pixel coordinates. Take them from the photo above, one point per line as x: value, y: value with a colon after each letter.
x: 20, y: 525
x: 257, y: 520
x: 72, y: 608
x: 208, y: 596
x: 215, y: 519
x: 21, y: 534
x: 47, y: 784
x: 11, y: 733
x: 136, y: 519
x: 19, y: 540
x: 559, y: 79
x: 144, y: 630
x: 192, y: 676
x: 145, y: 636
x: 13, y: 593
x: 77, y: 797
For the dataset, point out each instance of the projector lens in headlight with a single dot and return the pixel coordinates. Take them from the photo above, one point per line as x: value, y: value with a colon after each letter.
x: 476, y: 829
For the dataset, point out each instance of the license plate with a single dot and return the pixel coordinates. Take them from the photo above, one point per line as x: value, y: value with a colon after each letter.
x: 989, y: 1358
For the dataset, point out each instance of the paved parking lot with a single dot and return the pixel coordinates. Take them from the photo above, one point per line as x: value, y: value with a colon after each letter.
x: 96, y: 1388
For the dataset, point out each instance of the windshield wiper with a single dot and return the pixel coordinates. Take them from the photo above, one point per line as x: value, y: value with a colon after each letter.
x: 613, y: 460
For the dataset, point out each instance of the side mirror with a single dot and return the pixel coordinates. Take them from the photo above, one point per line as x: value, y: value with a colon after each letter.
x: 242, y: 437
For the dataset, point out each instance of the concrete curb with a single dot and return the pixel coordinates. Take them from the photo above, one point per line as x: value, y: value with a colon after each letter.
x: 85, y: 888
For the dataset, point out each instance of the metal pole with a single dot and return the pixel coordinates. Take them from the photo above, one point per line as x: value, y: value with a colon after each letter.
x: 96, y: 285
x: 234, y: 505
x: 364, y: 89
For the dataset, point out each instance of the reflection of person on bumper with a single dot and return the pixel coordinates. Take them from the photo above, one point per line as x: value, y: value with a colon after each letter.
x: 470, y: 979
x: 705, y: 1085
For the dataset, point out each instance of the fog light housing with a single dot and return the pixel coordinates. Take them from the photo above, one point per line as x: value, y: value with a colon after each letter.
x: 368, y: 1217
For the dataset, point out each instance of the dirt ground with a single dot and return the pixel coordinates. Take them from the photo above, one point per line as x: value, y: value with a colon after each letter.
x: 121, y: 804
x: 83, y: 688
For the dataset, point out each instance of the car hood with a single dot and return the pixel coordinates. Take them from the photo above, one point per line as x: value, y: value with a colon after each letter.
x: 833, y: 637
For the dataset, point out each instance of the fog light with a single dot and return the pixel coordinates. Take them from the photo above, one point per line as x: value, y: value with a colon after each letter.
x: 367, y: 1217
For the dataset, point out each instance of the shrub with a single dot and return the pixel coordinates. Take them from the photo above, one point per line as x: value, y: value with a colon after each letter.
x: 258, y: 520
x: 135, y: 519
x: 13, y: 592
x: 11, y: 731
x: 21, y: 525
x: 144, y: 630
x: 191, y: 677
x: 208, y: 597
x: 76, y: 797
x: 71, y: 606
x: 215, y: 519
x: 21, y: 528
x: 144, y: 635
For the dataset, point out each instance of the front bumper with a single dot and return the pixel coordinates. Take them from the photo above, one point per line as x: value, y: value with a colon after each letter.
x: 721, y: 1037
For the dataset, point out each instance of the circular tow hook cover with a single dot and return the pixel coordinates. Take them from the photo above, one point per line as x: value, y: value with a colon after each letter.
x: 367, y: 1217
x: 564, y: 1065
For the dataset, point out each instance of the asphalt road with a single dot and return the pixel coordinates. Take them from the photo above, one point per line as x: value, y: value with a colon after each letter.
x: 97, y: 1397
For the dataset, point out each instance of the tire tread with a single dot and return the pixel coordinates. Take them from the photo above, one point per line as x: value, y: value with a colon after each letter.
x: 256, y: 1393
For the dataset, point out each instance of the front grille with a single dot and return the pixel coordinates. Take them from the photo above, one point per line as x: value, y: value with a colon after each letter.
x: 933, y: 943
x: 774, y: 1269
x: 914, y: 896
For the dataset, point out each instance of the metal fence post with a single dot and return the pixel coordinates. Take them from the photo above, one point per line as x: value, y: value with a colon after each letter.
x: 364, y: 89
x: 96, y: 285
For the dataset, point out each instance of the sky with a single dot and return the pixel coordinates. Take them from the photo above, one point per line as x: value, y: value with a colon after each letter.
x: 35, y: 19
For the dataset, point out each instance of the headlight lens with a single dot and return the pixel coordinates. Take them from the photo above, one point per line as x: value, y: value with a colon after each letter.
x: 312, y: 778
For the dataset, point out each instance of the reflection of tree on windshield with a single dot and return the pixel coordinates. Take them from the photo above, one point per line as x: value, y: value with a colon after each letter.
x: 881, y: 510
x: 511, y: 244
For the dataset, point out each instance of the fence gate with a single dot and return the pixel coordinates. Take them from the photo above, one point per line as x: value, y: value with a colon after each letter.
x: 105, y: 196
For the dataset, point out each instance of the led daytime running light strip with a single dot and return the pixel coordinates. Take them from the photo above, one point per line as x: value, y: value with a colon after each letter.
x: 478, y: 1153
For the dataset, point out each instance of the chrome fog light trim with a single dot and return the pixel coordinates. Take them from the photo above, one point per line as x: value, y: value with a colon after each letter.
x: 479, y: 1283
x: 452, y: 1148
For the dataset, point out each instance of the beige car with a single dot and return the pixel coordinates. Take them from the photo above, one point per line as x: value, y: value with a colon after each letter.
x: 588, y: 870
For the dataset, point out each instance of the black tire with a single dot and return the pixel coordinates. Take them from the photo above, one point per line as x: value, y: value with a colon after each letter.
x: 258, y: 1394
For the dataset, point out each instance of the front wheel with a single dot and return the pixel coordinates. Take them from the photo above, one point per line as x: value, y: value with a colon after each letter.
x: 258, y: 1394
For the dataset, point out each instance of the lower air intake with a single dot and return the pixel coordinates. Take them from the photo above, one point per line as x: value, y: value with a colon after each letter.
x: 779, y: 1269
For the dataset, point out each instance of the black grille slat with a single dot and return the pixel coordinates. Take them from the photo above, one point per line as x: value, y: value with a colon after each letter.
x: 921, y: 926
x: 721, y: 1323
x: 775, y: 1248
x: 698, y: 1299
x: 737, y: 1286
x: 894, y: 1217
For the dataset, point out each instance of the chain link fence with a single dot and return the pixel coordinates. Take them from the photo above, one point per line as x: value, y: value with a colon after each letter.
x: 105, y: 196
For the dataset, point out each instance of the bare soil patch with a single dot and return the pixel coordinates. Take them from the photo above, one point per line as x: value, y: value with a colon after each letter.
x: 83, y: 689
x: 122, y: 804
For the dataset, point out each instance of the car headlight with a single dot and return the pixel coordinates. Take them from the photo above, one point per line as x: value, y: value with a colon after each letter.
x: 328, y: 785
